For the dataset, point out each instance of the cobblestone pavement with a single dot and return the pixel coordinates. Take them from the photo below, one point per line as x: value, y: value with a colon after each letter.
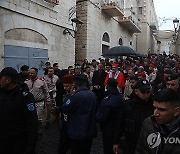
x: 50, y: 139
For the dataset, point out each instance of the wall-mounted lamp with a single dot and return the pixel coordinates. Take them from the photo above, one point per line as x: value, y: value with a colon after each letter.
x: 176, y: 24
x: 76, y: 24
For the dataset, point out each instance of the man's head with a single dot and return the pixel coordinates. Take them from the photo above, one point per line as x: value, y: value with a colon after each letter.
x: 151, y: 67
x: 94, y: 62
x: 50, y: 71
x: 172, y: 82
x: 114, y: 67
x: 25, y: 70
x: 130, y: 73
x: 77, y: 69
x: 47, y: 64
x: 167, y: 67
x: 166, y: 106
x: 55, y: 66
x: 108, y: 67
x: 133, y: 80
x: 8, y: 78
x: 67, y: 83
x: 79, y: 81
x: 112, y: 84
x: 166, y: 74
x: 33, y: 73
x: 87, y: 69
x: 71, y: 70
x: 140, y: 69
x: 143, y: 89
x: 100, y: 66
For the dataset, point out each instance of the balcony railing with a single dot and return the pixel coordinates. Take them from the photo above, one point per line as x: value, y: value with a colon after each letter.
x: 112, y: 9
x: 130, y: 21
x: 55, y: 2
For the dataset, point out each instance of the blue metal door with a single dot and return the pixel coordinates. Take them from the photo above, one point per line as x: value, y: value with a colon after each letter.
x: 16, y: 56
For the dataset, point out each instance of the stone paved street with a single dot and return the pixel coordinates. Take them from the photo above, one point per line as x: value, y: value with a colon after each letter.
x: 49, y: 142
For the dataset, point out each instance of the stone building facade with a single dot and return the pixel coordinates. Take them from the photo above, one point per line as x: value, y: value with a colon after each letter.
x: 31, y: 32
x: 177, y: 43
x: 147, y: 14
x: 68, y: 31
x: 105, y: 24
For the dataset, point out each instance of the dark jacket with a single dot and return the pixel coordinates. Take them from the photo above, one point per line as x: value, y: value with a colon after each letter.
x: 18, y: 121
x: 136, y: 110
x: 22, y: 77
x: 81, y: 110
x: 98, y: 79
x: 146, y: 146
x: 110, y: 109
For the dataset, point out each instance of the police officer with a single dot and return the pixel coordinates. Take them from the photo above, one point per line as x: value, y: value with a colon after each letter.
x: 110, y: 109
x: 81, y: 124
x: 64, y: 142
x: 173, y: 82
x: 18, y: 117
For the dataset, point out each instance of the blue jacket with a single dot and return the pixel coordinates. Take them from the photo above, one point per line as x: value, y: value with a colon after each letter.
x: 110, y: 109
x: 81, y: 111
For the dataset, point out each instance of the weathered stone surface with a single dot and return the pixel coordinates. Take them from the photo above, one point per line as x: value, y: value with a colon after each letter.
x: 25, y: 35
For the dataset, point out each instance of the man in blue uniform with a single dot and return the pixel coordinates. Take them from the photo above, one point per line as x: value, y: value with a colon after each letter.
x: 111, y: 108
x: 81, y: 110
x: 18, y: 117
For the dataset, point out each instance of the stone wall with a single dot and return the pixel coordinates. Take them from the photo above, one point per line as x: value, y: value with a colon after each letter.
x: 96, y: 23
x: 18, y: 18
x: 145, y: 38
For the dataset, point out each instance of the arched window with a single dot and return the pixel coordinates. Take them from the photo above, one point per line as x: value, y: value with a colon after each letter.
x: 130, y: 43
x: 105, y: 42
x: 120, y: 41
x: 106, y: 37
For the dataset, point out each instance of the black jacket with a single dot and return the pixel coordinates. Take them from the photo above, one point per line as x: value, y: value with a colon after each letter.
x: 136, y: 110
x: 18, y: 121
x: 157, y: 145
x: 98, y: 79
x: 110, y: 109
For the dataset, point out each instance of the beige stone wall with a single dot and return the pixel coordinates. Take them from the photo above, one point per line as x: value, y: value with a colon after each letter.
x: 145, y: 38
x: 96, y: 23
x: 19, y: 17
x: 177, y: 45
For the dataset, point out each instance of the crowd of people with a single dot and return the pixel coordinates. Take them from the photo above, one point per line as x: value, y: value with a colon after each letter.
x: 136, y: 101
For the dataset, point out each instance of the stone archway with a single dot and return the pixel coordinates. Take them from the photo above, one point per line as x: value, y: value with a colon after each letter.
x: 24, y: 34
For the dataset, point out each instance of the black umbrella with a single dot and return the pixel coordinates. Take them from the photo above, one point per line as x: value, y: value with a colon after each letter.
x: 139, y: 55
x: 119, y: 51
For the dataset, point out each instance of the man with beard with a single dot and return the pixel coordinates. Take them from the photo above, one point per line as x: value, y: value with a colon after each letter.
x: 38, y: 87
x: 118, y: 75
x: 98, y: 79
